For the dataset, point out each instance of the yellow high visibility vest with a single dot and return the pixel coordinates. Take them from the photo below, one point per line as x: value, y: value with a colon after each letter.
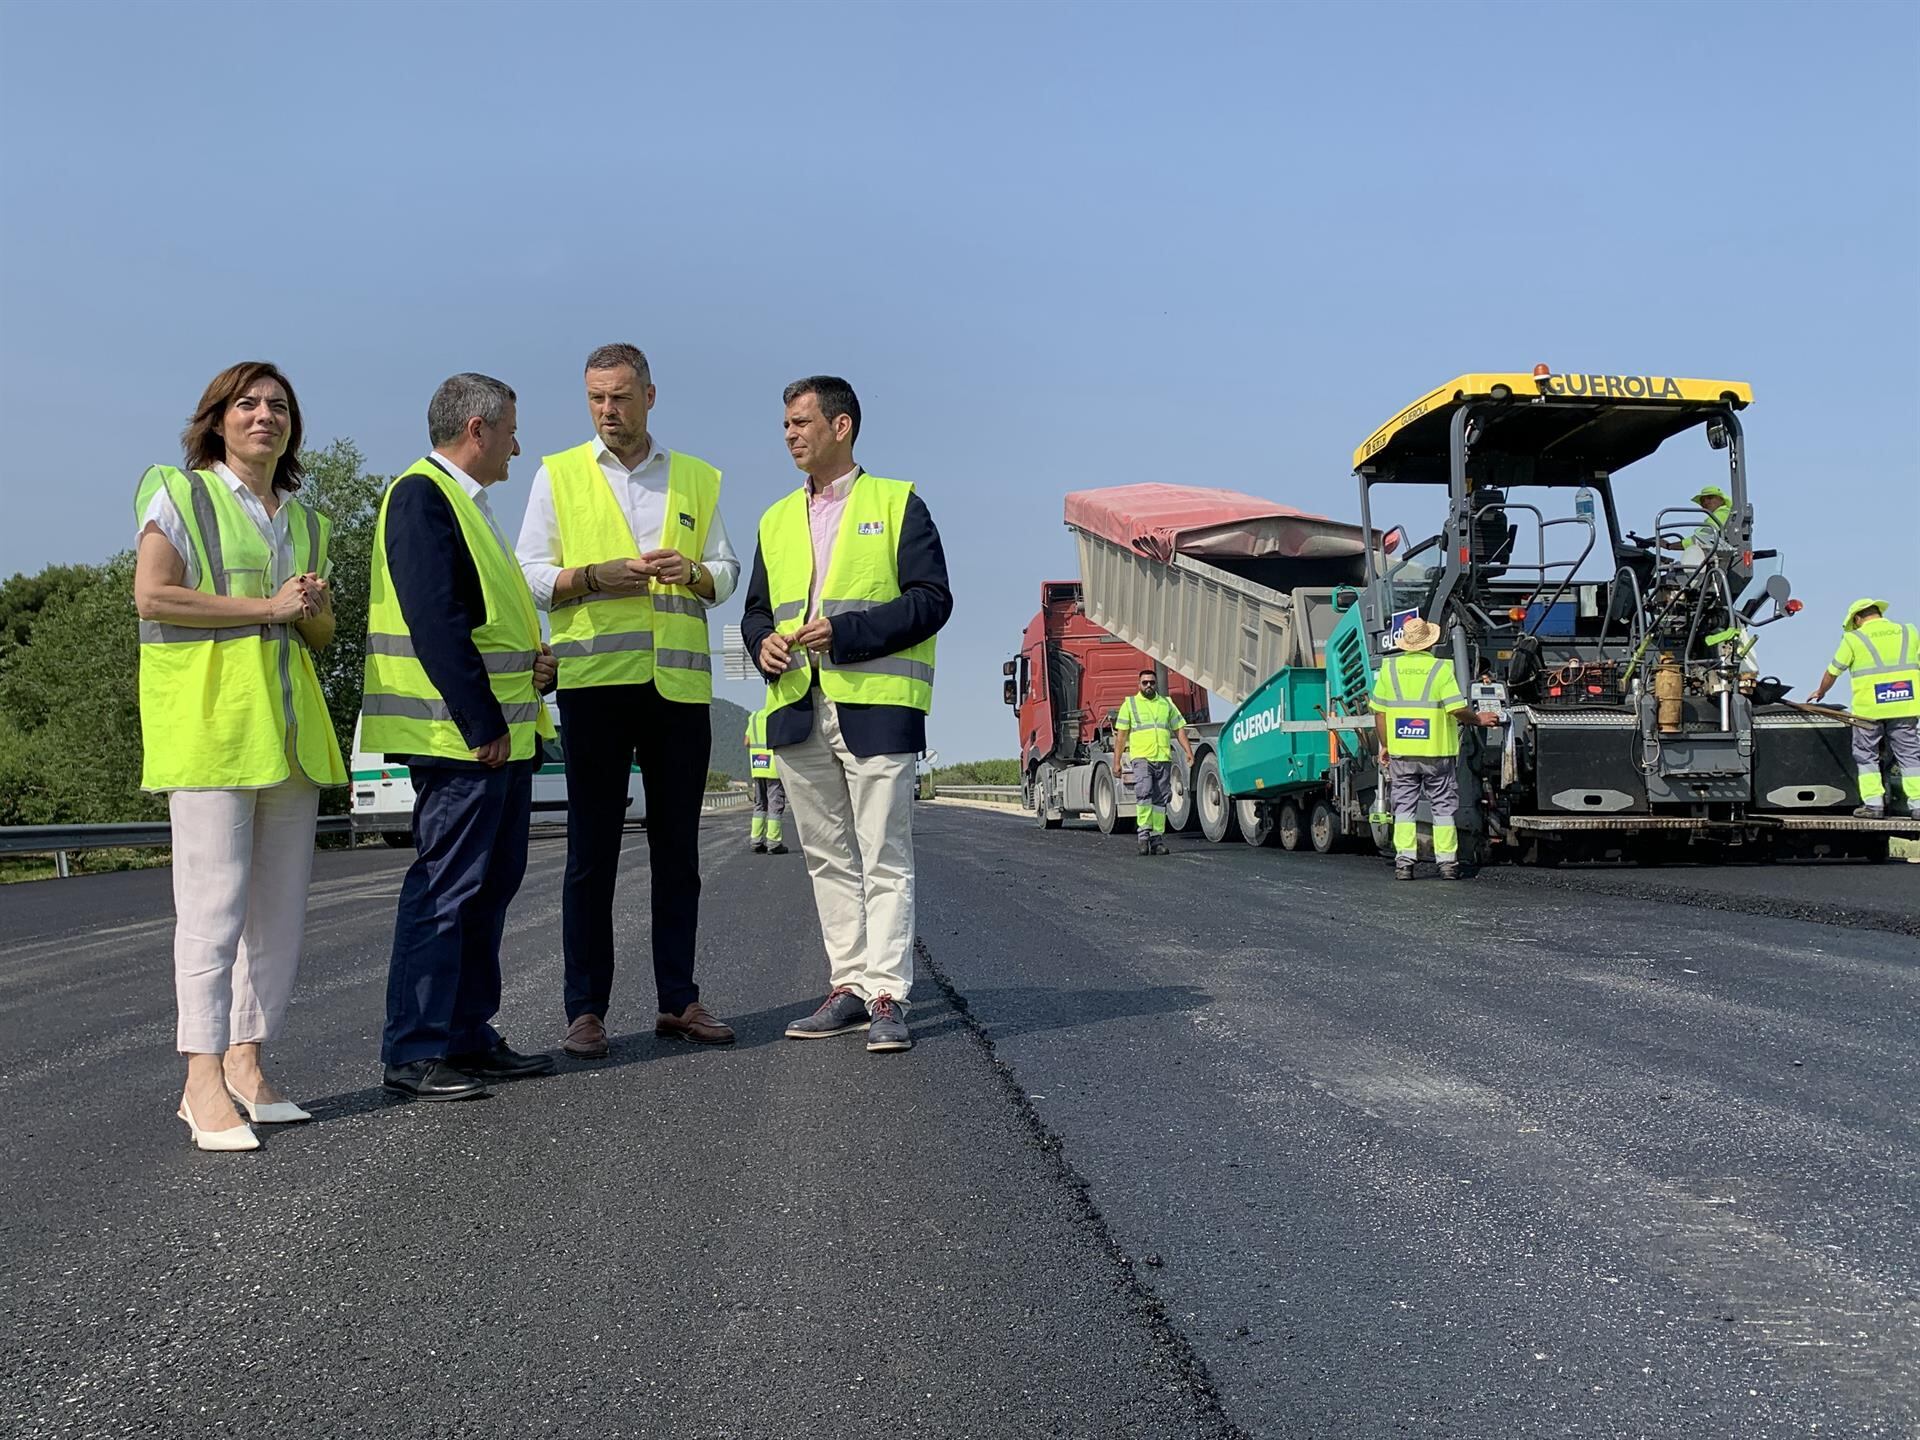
x: 1418, y: 693
x: 1149, y: 726
x: 761, y: 764
x: 232, y: 707
x: 863, y: 572
x: 401, y: 713
x: 603, y: 639
x: 1884, y: 657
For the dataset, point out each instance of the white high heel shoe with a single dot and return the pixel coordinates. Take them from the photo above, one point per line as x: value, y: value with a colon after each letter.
x: 273, y: 1112
x: 240, y: 1137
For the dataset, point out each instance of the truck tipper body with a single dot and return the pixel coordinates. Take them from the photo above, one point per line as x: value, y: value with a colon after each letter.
x: 1220, y: 589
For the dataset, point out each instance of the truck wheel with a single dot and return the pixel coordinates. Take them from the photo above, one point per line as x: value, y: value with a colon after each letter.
x: 1323, y: 827
x: 1106, y: 805
x: 1042, y: 790
x: 1179, y: 801
x: 1256, y: 821
x: 1210, y: 800
x: 1288, y: 828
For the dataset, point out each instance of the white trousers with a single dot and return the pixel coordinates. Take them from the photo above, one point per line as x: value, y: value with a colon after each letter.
x: 856, y: 829
x: 241, y: 863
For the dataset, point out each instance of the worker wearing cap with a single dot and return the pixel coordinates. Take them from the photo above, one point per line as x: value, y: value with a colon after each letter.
x: 1145, y: 726
x: 1418, y: 709
x: 1884, y: 657
x: 769, y: 795
x: 1707, y: 536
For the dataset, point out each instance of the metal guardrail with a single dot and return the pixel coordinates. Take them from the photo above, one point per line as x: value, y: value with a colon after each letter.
x: 991, y: 794
x: 60, y: 840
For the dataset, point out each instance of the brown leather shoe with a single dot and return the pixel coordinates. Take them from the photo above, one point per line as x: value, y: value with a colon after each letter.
x: 694, y: 1023
x: 587, y: 1038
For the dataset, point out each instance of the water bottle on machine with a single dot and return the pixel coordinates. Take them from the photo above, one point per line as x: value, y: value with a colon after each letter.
x: 1584, y: 505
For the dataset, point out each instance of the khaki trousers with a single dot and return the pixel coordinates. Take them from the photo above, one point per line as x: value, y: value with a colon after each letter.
x: 241, y: 863
x: 856, y: 830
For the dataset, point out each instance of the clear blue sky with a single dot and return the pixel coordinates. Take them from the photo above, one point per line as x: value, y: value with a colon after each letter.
x: 1053, y: 246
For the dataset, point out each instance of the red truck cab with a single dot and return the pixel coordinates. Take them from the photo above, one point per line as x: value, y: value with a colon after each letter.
x: 1067, y: 681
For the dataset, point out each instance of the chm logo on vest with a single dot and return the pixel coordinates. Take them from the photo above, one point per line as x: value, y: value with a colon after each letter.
x: 1407, y: 728
x: 1893, y: 692
x: 873, y: 527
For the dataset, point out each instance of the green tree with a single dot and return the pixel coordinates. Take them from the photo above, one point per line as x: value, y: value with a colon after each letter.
x: 979, y: 772
x: 70, y: 709
x: 70, y: 666
x: 339, y: 488
x: 23, y: 597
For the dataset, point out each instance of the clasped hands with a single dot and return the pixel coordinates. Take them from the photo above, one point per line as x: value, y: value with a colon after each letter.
x: 633, y: 574
x: 816, y: 635
x: 301, y: 598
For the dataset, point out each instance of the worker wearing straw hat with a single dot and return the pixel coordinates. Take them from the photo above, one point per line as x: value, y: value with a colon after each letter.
x: 1418, y: 708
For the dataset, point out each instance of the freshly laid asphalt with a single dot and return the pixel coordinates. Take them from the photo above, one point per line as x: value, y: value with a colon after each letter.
x: 1230, y: 1143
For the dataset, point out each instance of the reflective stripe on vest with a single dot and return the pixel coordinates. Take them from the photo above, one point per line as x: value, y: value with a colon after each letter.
x: 232, y: 706
x: 1422, y: 724
x: 863, y: 571
x: 401, y: 712
x: 1884, y: 658
x: 602, y: 639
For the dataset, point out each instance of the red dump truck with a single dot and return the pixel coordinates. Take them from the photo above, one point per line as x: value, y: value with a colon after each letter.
x: 1067, y: 681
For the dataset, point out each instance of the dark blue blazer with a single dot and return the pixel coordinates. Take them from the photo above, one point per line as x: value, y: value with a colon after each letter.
x: 923, y: 605
x: 438, y: 588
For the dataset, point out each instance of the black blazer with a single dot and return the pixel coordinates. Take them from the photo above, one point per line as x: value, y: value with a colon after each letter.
x: 438, y: 588
x: 921, y: 609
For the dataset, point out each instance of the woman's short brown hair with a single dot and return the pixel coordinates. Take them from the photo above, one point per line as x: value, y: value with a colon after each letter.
x: 202, y: 441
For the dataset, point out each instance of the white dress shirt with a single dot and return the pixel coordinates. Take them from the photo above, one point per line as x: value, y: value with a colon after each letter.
x: 642, y: 494
x: 163, y: 513
x: 479, y: 493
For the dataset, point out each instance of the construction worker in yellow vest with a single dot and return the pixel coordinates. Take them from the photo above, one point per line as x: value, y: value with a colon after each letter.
x: 1418, y: 708
x: 1144, y: 729
x: 769, y: 795
x: 624, y: 547
x: 1884, y: 657
x: 1709, y: 535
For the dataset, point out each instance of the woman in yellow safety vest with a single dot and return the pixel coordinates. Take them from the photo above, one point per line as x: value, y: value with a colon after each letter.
x: 230, y: 585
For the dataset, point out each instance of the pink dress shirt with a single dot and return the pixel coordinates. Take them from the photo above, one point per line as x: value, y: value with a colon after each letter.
x: 824, y: 509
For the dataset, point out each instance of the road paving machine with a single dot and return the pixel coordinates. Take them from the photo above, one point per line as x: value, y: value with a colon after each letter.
x: 1636, y: 724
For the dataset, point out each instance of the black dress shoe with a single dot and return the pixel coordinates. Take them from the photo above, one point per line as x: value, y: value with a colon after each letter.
x: 432, y: 1080
x: 502, y: 1063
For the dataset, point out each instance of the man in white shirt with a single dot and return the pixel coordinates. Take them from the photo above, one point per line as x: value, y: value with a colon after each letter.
x: 624, y: 546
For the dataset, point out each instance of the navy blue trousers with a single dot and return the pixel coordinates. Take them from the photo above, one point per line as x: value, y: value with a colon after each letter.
x: 443, y: 982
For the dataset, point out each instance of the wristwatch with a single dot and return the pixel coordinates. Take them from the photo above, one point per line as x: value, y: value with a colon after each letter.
x: 695, y: 574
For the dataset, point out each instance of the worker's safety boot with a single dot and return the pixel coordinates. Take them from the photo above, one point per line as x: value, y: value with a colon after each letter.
x: 1869, y: 812
x: 1146, y: 843
x: 1160, y: 846
x: 1403, y: 869
x: 1450, y: 870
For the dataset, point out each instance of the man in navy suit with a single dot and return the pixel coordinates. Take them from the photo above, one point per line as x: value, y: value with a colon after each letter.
x: 438, y: 598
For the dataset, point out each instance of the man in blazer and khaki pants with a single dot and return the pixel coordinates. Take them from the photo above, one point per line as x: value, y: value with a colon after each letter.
x: 849, y: 587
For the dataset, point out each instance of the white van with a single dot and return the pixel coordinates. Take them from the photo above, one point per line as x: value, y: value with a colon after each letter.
x: 383, y: 793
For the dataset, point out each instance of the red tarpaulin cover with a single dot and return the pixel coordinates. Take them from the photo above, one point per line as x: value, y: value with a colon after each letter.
x: 1160, y: 521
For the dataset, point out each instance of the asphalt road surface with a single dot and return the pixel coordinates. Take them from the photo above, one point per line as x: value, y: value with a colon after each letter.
x: 1231, y: 1143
